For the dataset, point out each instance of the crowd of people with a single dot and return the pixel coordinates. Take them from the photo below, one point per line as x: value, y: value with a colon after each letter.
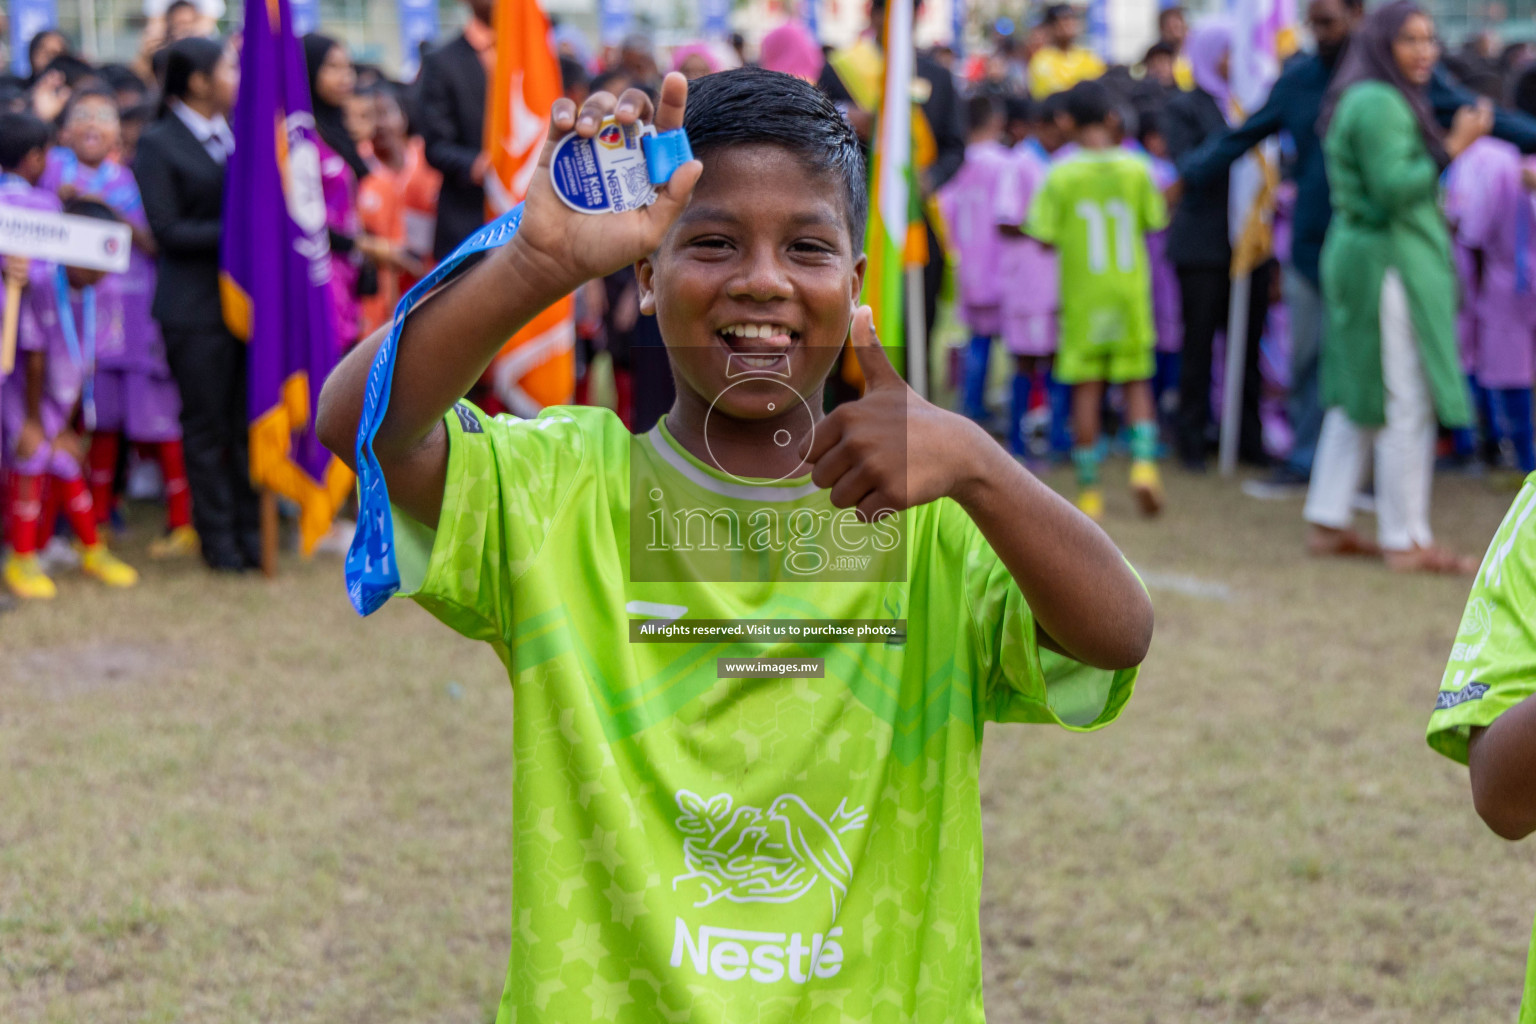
x: 1392, y: 312
x: 1083, y: 209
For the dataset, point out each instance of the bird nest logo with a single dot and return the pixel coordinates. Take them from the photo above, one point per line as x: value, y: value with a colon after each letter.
x: 773, y: 854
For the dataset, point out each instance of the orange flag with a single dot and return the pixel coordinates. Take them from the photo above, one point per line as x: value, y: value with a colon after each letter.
x: 537, y: 367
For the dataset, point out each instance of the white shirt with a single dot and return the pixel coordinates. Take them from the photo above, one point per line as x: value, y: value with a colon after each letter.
x: 212, y: 132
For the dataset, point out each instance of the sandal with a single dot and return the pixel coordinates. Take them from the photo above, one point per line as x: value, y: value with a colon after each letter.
x: 1326, y: 540
x: 1432, y: 560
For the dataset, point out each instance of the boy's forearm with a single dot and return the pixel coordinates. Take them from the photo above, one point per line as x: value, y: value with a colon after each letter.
x: 445, y: 346
x: 1502, y: 758
x: 1083, y: 595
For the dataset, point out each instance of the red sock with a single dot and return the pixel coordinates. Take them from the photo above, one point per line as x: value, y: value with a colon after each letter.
x: 102, y: 467
x: 178, y: 497
x: 78, y: 509
x: 26, y: 512
x: 50, y: 517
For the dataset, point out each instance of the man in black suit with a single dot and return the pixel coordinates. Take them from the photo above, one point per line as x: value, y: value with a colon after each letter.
x: 452, y: 109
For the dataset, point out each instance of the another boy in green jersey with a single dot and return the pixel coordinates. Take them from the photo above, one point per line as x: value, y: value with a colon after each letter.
x: 689, y: 844
x: 1485, y: 713
x: 1096, y: 207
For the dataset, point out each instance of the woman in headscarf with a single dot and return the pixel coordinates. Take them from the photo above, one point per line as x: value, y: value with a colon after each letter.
x: 1199, y: 247
x: 695, y: 60
x: 792, y: 49
x: 1390, y: 366
x: 355, y: 255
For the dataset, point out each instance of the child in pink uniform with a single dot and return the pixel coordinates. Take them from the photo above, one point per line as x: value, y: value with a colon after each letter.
x: 1029, y: 280
x: 65, y: 317
x: 966, y: 201
x: 1495, y: 216
x: 136, y: 397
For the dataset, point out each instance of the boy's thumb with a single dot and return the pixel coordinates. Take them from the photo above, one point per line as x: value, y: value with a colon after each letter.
x: 873, y: 362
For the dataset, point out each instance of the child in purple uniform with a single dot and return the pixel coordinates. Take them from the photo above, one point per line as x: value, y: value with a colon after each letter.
x: 1496, y: 217
x: 136, y: 397
x: 1167, y: 311
x: 966, y: 201
x: 1030, y: 290
x: 64, y: 317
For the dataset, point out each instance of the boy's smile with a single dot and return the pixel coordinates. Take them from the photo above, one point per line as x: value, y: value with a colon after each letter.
x: 754, y: 288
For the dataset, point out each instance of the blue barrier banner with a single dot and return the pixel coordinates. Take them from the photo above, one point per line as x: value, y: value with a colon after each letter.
x: 418, y: 24
x: 28, y: 18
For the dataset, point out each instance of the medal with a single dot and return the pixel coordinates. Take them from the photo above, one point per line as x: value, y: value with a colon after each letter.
x: 619, y: 168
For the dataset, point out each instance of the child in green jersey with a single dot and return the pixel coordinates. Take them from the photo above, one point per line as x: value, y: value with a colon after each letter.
x: 690, y: 842
x: 1096, y: 207
x: 1485, y: 712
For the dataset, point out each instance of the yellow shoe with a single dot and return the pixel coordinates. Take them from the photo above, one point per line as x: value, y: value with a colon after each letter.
x: 1090, y: 502
x: 98, y: 562
x: 1147, y: 487
x: 24, y: 575
x: 178, y: 543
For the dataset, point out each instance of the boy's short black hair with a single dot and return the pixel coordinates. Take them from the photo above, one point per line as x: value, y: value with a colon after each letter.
x: 179, y: 5
x: 1159, y: 49
x: 1019, y: 108
x: 20, y: 134
x: 1057, y: 12
x: 1089, y: 103
x: 80, y: 206
x: 981, y: 108
x: 1050, y: 108
x: 750, y: 105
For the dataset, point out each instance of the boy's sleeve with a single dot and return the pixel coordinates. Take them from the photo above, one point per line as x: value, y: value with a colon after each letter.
x: 507, y: 480
x: 1045, y: 211
x: 1019, y: 681
x: 1493, y: 662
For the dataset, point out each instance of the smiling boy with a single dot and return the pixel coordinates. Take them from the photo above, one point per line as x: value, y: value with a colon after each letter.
x: 688, y: 845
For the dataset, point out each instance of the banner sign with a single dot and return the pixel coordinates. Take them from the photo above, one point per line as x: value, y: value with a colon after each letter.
x: 60, y: 238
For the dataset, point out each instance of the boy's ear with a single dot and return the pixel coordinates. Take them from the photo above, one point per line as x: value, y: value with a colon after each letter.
x: 859, y: 266
x: 645, y: 274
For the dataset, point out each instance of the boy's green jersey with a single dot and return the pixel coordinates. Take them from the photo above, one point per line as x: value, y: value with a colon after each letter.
x: 1096, y: 207
x: 1493, y: 663
x: 719, y: 850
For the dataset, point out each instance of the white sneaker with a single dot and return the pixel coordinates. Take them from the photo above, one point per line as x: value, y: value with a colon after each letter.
x: 144, y: 481
x: 338, y: 540
x: 59, y: 554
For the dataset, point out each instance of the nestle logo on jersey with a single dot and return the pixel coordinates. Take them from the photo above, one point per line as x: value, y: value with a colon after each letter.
x: 732, y: 954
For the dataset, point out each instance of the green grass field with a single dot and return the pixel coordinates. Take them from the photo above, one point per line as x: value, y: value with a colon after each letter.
x: 232, y: 800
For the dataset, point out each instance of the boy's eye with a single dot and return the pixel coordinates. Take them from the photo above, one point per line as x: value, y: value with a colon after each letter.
x: 810, y: 245
x: 711, y: 242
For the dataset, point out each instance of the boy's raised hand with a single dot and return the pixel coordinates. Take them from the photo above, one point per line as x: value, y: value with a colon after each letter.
x: 568, y: 248
x: 890, y: 449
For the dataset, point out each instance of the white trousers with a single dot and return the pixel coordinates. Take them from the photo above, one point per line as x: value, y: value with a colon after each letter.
x: 1405, y: 447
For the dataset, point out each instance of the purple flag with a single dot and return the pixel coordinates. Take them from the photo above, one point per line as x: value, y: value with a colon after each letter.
x: 276, y: 270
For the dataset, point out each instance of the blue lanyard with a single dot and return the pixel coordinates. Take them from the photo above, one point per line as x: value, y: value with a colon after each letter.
x: 371, y: 571
x: 84, y: 361
x: 98, y: 180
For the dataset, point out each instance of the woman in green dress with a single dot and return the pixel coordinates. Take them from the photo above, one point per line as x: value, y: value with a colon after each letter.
x: 1390, y: 368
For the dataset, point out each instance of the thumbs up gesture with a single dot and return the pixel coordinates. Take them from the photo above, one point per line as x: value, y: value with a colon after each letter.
x: 890, y: 449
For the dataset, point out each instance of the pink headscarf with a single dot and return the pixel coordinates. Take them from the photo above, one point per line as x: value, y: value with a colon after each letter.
x: 792, y: 49
x: 1209, y: 41
x: 681, y: 54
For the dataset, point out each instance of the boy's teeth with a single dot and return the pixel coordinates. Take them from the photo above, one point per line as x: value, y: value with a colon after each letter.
x: 755, y: 330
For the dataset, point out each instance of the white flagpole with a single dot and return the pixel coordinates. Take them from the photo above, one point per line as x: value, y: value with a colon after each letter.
x: 1232, y: 377
x: 917, y: 330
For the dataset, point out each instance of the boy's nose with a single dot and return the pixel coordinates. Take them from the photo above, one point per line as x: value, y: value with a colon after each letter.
x: 760, y: 277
